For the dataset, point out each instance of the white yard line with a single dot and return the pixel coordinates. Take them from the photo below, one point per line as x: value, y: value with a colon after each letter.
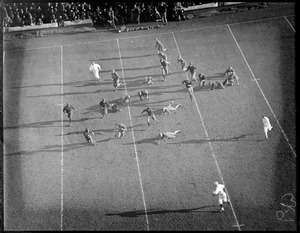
x: 156, y: 34
x: 62, y: 141
x: 290, y: 24
x: 287, y: 140
x: 135, y: 150
x: 212, y: 151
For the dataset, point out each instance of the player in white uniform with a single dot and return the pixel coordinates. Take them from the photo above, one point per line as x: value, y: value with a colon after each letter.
x: 96, y: 68
x: 167, y: 135
x: 267, y: 125
x: 170, y: 108
x: 220, y: 190
x: 159, y: 46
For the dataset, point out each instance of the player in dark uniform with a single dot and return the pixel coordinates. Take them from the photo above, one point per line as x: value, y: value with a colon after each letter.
x: 143, y: 95
x: 189, y: 86
x: 150, y: 113
x: 192, y: 69
x: 202, y: 79
x: 121, y: 130
x: 164, y: 65
x: 116, y: 79
x: 68, y: 110
x: 88, y: 136
x: 104, y: 106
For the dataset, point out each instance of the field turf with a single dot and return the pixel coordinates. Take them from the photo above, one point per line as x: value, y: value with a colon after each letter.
x: 55, y: 180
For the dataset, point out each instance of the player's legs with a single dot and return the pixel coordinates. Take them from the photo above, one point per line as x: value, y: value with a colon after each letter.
x: 266, y: 132
x: 148, y: 121
x: 154, y: 118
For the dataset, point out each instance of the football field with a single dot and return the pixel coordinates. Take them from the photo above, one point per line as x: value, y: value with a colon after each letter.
x: 55, y: 180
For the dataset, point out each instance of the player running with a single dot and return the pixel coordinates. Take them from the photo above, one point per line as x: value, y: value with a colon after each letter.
x: 188, y: 84
x: 164, y: 65
x: 96, y: 68
x: 150, y: 113
x: 121, y: 130
x: 160, y: 47
x: 116, y: 79
x: 182, y: 63
x: 104, y: 106
x: 88, y: 136
x: 267, y: 125
x: 202, y: 79
x: 126, y: 100
x: 68, y: 110
x: 143, y: 95
x: 170, y: 108
x: 192, y: 69
x: 220, y: 190
x: 162, y: 55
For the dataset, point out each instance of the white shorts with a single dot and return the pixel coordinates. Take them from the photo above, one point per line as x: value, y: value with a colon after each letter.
x: 222, y: 198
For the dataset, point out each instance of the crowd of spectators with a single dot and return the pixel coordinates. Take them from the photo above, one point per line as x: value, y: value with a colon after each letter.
x: 101, y: 14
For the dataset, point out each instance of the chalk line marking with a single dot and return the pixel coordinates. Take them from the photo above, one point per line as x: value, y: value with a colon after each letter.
x: 290, y: 24
x: 155, y: 34
x: 209, y: 142
x: 62, y: 141
x: 292, y: 149
x: 135, y: 150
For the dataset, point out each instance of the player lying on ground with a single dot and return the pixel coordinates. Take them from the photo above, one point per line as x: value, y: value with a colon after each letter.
x: 126, y: 100
x: 216, y: 85
x: 189, y: 86
x: 121, y: 130
x: 150, y: 114
x: 96, y: 68
x: 167, y: 135
x: 149, y: 80
x: 143, y: 95
x: 68, y: 110
x: 88, y: 136
x: 170, y: 108
x: 182, y: 63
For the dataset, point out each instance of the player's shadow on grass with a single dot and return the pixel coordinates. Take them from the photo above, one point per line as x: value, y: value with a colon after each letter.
x: 51, y: 148
x: 137, y: 213
x: 64, y: 94
x: 138, y: 103
x: 146, y: 140
x: 232, y: 139
x: 47, y: 123
x: 118, y: 58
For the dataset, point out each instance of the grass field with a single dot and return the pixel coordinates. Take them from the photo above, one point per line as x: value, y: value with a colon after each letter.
x: 54, y: 180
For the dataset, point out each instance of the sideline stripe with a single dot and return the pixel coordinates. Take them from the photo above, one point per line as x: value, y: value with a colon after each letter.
x: 292, y: 149
x: 135, y: 150
x: 62, y: 141
x: 212, y: 151
x: 156, y: 34
x: 290, y: 24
